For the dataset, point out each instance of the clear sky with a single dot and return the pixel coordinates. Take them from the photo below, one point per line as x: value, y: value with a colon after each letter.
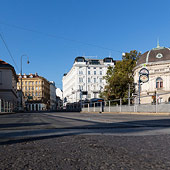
x: 53, y: 32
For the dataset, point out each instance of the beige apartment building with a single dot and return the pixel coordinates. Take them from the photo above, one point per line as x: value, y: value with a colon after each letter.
x: 36, y: 90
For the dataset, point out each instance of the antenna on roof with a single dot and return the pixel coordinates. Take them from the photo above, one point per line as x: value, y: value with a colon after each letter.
x: 158, y: 43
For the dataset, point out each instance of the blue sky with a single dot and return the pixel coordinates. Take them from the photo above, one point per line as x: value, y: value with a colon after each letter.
x: 53, y: 32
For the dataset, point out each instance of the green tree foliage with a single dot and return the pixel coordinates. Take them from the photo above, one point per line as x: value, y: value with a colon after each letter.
x: 119, y: 77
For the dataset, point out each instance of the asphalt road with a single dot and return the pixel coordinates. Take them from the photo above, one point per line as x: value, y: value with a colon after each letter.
x: 84, y: 141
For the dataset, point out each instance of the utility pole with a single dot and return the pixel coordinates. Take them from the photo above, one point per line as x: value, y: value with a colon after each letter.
x: 129, y: 95
x: 21, y: 77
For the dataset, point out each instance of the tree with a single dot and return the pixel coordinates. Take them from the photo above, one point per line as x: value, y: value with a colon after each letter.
x: 119, y: 77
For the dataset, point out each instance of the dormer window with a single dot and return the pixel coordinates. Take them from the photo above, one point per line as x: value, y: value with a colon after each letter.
x: 108, y: 60
x: 159, y: 55
x: 79, y: 59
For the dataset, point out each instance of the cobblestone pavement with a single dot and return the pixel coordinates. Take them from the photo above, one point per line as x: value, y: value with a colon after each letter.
x: 87, y: 152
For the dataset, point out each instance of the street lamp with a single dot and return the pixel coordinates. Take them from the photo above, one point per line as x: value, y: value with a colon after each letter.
x: 21, y: 75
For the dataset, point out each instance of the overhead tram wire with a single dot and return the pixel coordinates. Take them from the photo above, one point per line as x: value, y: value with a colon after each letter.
x: 9, y: 52
x: 58, y: 37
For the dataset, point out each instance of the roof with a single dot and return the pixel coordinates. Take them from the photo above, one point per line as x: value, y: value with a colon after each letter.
x: 4, y: 64
x: 24, y: 76
x: 157, y: 55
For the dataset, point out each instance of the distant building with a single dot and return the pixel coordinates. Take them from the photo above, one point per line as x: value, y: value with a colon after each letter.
x: 36, y: 90
x: 59, y: 93
x: 52, y: 96
x: 85, y: 79
x: 8, y: 87
x: 157, y: 62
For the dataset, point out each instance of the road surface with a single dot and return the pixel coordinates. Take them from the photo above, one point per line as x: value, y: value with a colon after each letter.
x: 84, y: 141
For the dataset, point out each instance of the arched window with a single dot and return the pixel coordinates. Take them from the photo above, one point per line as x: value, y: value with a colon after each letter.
x: 159, y: 83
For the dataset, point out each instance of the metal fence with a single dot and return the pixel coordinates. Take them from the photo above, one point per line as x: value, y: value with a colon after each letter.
x: 129, y: 105
x: 5, y: 106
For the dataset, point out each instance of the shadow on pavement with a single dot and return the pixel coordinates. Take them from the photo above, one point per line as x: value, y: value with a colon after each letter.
x: 91, y: 127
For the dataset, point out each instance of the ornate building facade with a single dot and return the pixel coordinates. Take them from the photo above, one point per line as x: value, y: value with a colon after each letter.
x: 36, y: 90
x: 157, y: 62
x: 85, y: 79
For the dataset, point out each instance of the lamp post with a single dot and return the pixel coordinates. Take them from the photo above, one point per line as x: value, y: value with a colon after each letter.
x: 21, y: 75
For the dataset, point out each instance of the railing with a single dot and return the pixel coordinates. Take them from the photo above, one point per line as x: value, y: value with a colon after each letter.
x: 5, y: 106
x: 121, y: 105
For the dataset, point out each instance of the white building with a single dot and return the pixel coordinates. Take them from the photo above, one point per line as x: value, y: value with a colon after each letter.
x: 157, y: 62
x: 86, y: 75
x: 52, y: 95
x: 59, y: 93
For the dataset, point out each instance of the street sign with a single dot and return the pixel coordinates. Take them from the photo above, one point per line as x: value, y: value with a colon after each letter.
x: 30, y: 97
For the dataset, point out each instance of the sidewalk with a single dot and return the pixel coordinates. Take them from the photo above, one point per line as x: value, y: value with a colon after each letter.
x: 135, y: 113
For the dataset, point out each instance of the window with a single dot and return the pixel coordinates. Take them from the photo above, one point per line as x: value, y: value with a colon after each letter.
x: 25, y: 88
x: 80, y: 72
x: 88, y: 80
x: 94, y: 80
x: 159, y: 83
x: 100, y: 80
x: 25, y: 82
x: 80, y: 87
x: 80, y: 79
x: 94, y: 72
x: 95, y: 95
x: 89, y: 96
x: 88, y: 72
x: 100, y: 72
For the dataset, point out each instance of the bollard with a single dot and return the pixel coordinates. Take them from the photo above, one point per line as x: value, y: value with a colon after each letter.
x: 120, y: 104
x: 101, y: 107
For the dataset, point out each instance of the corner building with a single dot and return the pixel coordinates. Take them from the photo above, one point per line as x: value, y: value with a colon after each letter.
x: 8, y: 87
x: 86, y: 75
x: 36, y: 90
x: 157, y: 62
